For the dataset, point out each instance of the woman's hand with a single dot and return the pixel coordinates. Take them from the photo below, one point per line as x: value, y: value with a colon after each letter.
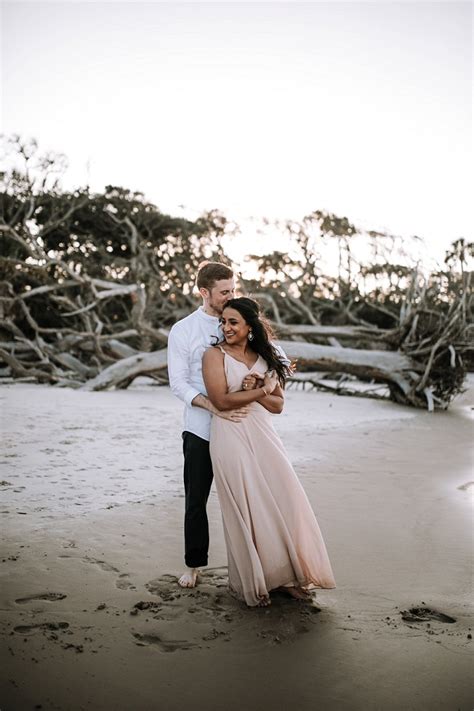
x: 270, y: 381
x: 252, y: 381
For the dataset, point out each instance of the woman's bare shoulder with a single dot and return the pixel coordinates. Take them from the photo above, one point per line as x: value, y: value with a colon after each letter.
x: 213, y: 354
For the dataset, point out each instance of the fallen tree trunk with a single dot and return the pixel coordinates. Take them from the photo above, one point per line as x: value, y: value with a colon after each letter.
x: 127, y: 369
x: 330, y: 358
x: 429, y: 375
x: 402, y: 374
x: 319, y: 331
x: 410, y: 381
x: 396, y: 369
x: 343, y: 385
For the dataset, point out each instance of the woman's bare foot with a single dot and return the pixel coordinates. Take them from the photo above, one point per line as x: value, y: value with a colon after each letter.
x: 264, y: 602
x: 189, y: 579
x: 296, y: 592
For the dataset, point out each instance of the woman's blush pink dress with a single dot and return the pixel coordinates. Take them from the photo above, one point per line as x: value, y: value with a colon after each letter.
x: 271, y: 533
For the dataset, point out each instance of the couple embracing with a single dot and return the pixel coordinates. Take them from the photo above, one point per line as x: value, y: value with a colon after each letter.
x: 224, y: 366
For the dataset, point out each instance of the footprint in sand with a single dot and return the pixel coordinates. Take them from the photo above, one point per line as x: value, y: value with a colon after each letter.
x: 70, y: 544
x: 148, y: 605
x: 206, y: 603
x: 165, y: 587
x: 50, y: 626
x: 123, y: 583
x: 49, y: 596
x: 102, y: 564
x: 173, y: 645
x: 217, y: 576
x: 213, y: 615
x: 425, y: 614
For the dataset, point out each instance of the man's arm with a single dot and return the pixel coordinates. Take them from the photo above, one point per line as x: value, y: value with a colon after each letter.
x: 178, y: 367
x: 235, y: 415
x: 282, y: 355
x: 206, y: 404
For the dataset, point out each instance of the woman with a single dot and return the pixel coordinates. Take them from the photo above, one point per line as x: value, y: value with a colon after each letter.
x: 272, y: 536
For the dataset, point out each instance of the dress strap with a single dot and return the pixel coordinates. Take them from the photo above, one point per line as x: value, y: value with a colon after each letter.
x: 221, y: 349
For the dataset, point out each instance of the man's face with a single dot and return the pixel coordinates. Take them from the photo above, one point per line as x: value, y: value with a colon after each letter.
x: 219, y: 295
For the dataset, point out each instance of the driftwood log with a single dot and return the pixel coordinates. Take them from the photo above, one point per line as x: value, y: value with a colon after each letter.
x: 403, y: 375
x: 91, y: 283
x: 123, y: 372
x: 420, y: 359
x: 67, y: 341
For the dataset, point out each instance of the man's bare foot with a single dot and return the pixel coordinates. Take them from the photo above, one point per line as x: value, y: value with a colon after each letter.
x: 189, y: 579
x: 296, y: 592
x: 264, y: 602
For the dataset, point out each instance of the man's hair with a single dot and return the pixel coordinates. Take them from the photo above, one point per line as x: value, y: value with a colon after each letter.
x: 210, y: 272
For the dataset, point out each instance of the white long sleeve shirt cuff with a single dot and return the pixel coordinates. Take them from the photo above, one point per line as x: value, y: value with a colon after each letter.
x: 189, y: 396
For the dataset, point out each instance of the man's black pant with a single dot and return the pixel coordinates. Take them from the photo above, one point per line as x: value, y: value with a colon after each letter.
x: 197, y: 485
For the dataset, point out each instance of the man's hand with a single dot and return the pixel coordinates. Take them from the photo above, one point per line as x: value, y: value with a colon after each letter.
x: 270, y: 381
x: 236, y: 415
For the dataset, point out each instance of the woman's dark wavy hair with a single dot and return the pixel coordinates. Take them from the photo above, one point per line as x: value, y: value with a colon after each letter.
x: 262, y: 333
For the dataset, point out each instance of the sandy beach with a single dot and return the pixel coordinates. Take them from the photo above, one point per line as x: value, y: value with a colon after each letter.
x: 92, y: 508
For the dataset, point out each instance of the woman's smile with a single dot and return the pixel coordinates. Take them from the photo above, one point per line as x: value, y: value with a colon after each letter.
x: 233, y: 325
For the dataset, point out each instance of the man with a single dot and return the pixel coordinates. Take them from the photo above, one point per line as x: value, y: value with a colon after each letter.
x: 187, y: 342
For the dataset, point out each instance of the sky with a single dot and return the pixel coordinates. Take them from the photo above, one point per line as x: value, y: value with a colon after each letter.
x: 270, y: 109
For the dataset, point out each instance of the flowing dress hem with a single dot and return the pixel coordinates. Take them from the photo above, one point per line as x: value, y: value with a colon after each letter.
x: 294, y: 582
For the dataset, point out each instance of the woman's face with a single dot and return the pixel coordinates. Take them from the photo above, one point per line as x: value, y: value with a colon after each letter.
x: 234, y: 326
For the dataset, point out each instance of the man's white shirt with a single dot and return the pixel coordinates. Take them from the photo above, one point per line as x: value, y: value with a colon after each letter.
x: 187, y: 341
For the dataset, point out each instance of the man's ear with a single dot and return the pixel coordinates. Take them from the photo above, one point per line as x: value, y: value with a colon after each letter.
x: 205, y: 293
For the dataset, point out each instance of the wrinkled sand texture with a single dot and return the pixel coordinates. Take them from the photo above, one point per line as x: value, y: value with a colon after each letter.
x: 92, y: 618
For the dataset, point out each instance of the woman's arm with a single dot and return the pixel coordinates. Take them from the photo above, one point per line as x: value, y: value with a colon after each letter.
x: 216, y: 384
x: 274, y: 402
